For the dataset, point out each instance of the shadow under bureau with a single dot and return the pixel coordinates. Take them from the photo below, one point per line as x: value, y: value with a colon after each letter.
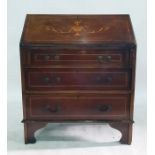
x: 78, y: 68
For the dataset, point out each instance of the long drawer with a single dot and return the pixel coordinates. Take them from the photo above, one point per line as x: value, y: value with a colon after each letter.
x: 81, y: 79
x: 81, y: 107
x: 77, y: 58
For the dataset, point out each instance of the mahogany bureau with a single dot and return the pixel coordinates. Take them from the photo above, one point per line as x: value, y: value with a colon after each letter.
x: 78, y: 68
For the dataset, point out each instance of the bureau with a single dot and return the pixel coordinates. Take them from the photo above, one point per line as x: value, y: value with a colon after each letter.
x: 78, y: 68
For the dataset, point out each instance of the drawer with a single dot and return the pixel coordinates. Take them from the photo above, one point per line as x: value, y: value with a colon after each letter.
x: 76, y: 58
x: 83, y: 79
x: 81, y: 107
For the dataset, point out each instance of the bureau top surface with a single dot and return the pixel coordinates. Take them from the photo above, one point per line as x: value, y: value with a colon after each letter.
x: 77, y: 29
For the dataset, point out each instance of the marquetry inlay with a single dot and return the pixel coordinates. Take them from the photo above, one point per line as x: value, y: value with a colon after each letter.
x: 77, y: 28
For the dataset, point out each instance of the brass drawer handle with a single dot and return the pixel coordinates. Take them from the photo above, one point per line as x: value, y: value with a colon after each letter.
x: 47, y: 57
x: 54, y: 79
x: 57, y: 78
x: 98, y: 78
x: 56, y: 57
x: 104, y: 59
x: 51, y: 109
x: 104, y: 107
x: 46, y: 79
x: 108, y: 79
